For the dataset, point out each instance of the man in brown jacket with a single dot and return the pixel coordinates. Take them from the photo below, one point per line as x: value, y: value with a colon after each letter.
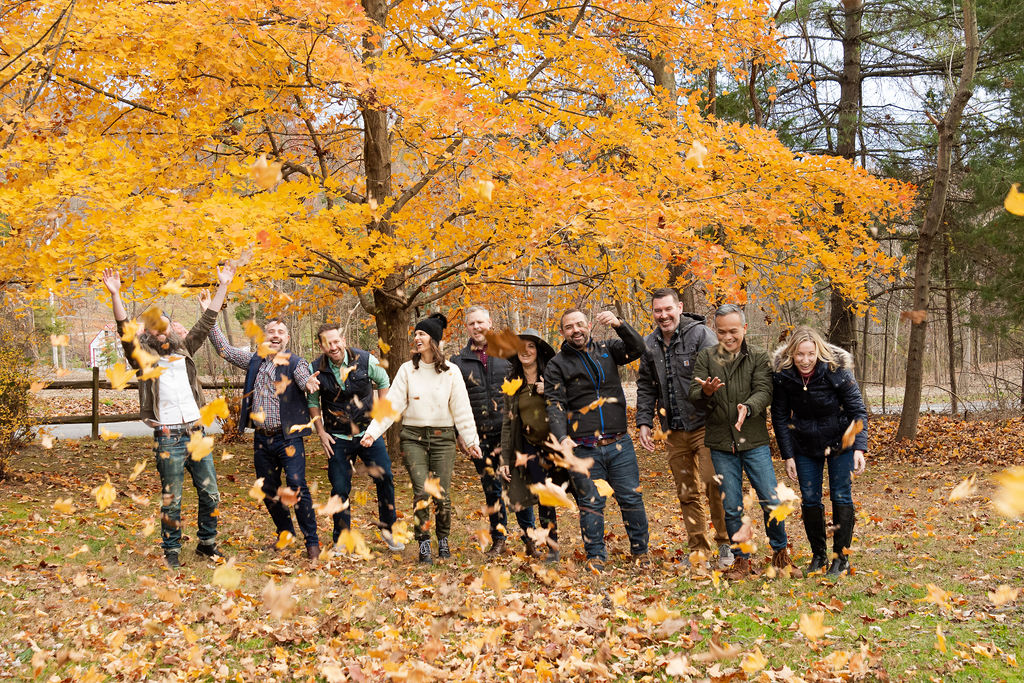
x: 170, y: 397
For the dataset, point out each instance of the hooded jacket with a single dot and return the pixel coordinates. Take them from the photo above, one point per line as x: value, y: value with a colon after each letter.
x: 748, y: 380
x: 652, y: 386
x: 811, y: 420
x: 576, y: 381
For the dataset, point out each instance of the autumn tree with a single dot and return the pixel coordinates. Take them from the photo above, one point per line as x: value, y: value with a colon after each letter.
x: 408, y: 151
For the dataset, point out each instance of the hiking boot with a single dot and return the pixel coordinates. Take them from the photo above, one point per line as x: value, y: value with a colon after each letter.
x: 814, y: 525
x: 443, y: 551
x: 595, y: 564
x: 313, y: 552
x: 425, y: 555
x: 740, y: 569
x: 209, y: 550
x: 531, y: 547
x: 725, y: 556
x: 171, y: 560
x: 497, y: 547
x: 782, y: 563
x: 643, y: 561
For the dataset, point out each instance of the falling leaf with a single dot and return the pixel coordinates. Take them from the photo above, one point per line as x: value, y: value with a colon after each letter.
x: 218, y: 407
x: 38, y: 386
x: 745, y: 533
x: 679, y: 666
x: 1009, y: 498
x: 119, y: 376
x: 174, y: 287
x: 1014, y: 202
x: 253, y: 331
x: 284, y: 539
x: 281, y: 358
x: 278, y: 599
x: 497, y: 579
x: 153, y: 319
x: 503, y: 343
x: 695, y: 155
x: 603, y: 487
x: 256, y: 491
x: 383, y: 346
x: 148, y: 528
x: 281, y: 385
x: 107, y: 435
x: 813, y: 626
x: 199, y: 446
x: 226, y: 456
x: 333, y: 505
x: 353, y: 542
x: 1003, y: 595
x: 658, y: 613
x: 259, y: 416
x: 105, y: 494
x: 936, y: 596
x: 82, y: 549
x: 781, y: 511
x: 552, y: 495
x: 288, y: 496
x: 965, y: 489
x: 433, y: 487
x: 618, y: 597
x: 227, y: 576
x: 46, y: 440
x: 58, y: 340
x: 940, y: 639
x: 850, y: 435
x: 130, y: 330
x: 305, y: 425
x: 511, y: 386
x: 137, y: 470
x: 596, y: 404
x: 753, y: 662
x: 915, y: 317
x: 64, y: 505
x: 265, y: 173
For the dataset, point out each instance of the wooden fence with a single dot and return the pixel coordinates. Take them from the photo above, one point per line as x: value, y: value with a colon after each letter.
x: 95, y: 384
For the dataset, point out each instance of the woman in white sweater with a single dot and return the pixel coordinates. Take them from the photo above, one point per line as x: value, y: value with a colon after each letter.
x: 431, y: 398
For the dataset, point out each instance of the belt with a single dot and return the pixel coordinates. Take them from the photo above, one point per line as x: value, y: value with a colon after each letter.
x: 604, y: 440
x: 263, y: 431
x: 178, y: 429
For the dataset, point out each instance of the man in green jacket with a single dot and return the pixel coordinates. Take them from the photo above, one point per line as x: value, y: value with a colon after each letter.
x: 734, y: 385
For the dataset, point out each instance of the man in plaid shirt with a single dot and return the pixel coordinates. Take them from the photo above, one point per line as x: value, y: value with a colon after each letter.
x: 274, y: 405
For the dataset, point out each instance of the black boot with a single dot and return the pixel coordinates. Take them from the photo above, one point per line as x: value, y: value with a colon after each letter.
x: 842, y: 538
x: 814, y: 525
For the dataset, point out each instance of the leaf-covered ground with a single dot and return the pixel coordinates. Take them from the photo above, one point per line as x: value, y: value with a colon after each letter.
x: 84, y: 595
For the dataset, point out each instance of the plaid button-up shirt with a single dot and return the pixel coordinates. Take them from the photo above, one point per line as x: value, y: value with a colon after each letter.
x: 264, y: 393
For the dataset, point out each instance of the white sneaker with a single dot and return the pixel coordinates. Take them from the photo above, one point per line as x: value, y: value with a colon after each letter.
x: 393, y: 545
x: 725, y: 556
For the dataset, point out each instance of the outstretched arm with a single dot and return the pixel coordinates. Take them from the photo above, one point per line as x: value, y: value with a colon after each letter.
x: 112, y: 281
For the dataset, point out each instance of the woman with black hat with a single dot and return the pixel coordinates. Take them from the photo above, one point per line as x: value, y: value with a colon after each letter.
x: 430, y: 396
x: 524, y: 457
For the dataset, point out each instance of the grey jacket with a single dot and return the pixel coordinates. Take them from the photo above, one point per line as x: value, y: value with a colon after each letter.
x: 652, y: 398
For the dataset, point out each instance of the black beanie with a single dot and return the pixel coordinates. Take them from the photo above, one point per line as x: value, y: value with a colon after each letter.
x: 433, y: 325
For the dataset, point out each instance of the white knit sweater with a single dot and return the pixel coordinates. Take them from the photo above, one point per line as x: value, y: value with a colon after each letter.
x: 426, y: 398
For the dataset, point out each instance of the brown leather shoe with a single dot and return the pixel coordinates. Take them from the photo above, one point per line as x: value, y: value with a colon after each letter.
x: 313, y: 552
x: 740, y: 569
x: 783, y: 565
x: 497, y: 547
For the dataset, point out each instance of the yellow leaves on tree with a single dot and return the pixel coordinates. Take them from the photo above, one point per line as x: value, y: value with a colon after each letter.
x: 265, y: 173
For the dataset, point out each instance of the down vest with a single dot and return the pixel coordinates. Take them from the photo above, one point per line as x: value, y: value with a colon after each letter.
x: 484, y: 387
x: 811, y: 420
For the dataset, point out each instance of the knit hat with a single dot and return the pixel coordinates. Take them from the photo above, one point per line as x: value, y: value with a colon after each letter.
x: 433, y: 325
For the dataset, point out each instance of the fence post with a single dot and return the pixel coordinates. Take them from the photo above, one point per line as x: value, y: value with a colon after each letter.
x: 95, y: 403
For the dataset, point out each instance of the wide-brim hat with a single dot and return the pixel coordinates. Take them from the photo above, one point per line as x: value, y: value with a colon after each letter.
x: 544, y: 350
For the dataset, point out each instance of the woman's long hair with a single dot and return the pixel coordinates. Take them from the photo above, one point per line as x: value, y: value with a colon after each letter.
x: 439, y: 364
x: 518, y: 371
x: 799, y: 336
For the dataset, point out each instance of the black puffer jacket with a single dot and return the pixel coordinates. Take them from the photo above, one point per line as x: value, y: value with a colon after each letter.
x: 811, y: 421
x: 574, y: 381
x: 484, y: 387
x: 690, y: 337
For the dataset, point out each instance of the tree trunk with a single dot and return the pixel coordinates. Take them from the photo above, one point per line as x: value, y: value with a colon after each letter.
x: 842, y: 327
x: 948, y: 130
x: 950, y: 337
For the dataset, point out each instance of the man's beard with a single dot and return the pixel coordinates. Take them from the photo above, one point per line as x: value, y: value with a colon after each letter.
x: 172, y: 344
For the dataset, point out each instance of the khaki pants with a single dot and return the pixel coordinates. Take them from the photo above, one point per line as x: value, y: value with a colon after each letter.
x: 688, y: 456
x: 430, y: 451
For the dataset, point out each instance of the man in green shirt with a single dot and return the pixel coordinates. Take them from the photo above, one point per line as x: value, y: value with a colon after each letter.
x: 341, y: 391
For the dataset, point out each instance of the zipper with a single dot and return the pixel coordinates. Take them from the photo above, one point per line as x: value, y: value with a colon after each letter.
x: 597, y: 386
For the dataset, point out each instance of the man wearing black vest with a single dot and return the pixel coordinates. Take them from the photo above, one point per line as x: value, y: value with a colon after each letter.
x: 484, y: 375
x: 341, y: 392
x: 273, y: 402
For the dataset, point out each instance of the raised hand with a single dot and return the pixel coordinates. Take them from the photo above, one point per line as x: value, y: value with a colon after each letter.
x: 112, y: 280
x: 608, y: 318
x: 710, y: 385
x: 226, y: 274
x: 313, y: 384
x: 204, y: 299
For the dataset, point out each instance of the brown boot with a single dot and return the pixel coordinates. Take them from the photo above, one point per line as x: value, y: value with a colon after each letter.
x: 783, y: 565
x: 740, y: 569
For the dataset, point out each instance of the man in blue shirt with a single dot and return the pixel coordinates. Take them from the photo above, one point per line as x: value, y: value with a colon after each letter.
x: 341, y: 391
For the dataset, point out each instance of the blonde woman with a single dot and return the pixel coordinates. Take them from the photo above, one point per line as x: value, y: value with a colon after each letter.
x: 431, y: 397
x: 815, y: 400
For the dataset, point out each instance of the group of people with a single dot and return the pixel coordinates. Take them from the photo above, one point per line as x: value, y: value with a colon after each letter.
x: 535, y: 422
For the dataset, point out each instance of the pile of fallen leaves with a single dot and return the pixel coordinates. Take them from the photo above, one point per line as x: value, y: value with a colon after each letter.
x: 943, y: 439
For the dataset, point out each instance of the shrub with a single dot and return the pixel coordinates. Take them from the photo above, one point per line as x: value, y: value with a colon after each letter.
x: 15, y: 379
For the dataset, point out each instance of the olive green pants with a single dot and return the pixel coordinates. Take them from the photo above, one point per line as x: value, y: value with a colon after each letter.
x: 430, y: 452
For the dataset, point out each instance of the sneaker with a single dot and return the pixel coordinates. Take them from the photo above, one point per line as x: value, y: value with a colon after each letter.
x: 725, y: 556
x: 443, y: 551
x: 643, y: 561
x: 171, y: 560
x: 595, y: 564
x: 425, y: 555
x: 497, y: 547
x: 551, y: 557
x: 209, y: 550
x: 393, y: 545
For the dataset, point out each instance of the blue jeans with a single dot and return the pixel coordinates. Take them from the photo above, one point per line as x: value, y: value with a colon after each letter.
x: 270, y: 457
x: 172, y: 478
x: 615, y: 463
x: 757, y: 463
x: 339, y: 470
x: 487, y: 467
x: 810, y: 471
